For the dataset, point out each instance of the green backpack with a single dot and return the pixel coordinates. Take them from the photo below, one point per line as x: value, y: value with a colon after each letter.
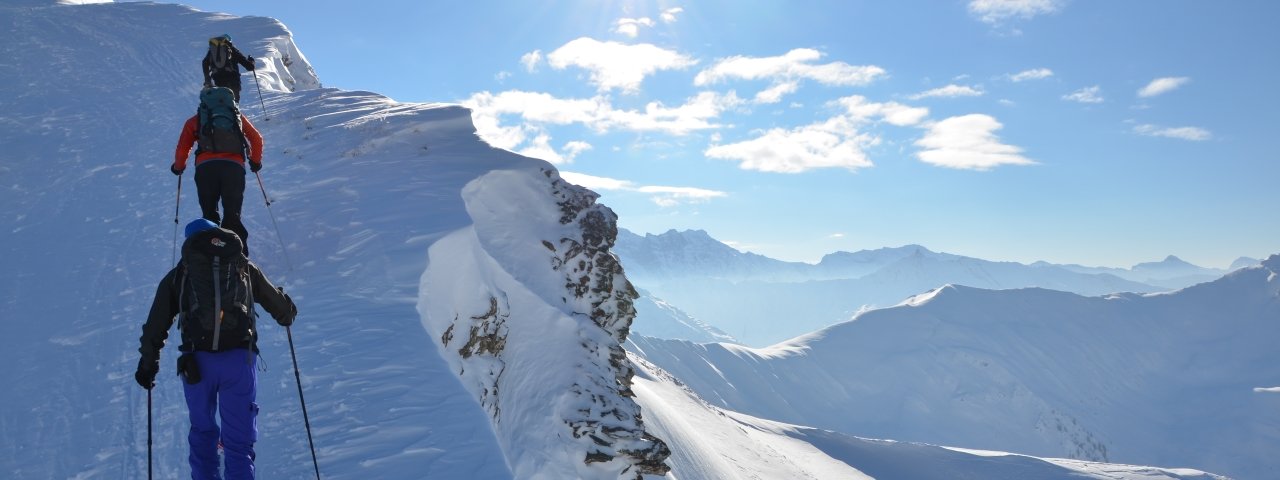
x: 220, y: 130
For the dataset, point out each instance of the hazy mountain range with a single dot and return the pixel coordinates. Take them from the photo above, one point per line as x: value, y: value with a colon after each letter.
x: 760, y: 300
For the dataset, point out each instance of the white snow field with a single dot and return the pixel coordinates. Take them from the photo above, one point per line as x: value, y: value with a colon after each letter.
x: 439, y: 334
x: 1165, y: 379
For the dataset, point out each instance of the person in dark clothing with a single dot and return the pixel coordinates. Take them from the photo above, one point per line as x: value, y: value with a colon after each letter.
x: 219, y: 375
x: 221, y: 64
x: 219, y: 174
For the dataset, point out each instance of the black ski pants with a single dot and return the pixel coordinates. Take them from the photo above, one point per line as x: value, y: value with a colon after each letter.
x: 222, y: 180
x: 229, y: 80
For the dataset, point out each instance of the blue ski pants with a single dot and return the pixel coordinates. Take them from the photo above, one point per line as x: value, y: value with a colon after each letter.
x: 229, y: 386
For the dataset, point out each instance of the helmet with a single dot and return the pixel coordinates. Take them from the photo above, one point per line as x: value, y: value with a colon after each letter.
x: 199, y: 225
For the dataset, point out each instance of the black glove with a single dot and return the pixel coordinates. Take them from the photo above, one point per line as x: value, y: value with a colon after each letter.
x: 176, y: 171
x: 188, y: 369
x: 255, y: 166
x: 288, y: 318
x: 251, y: 65
x: 146, y: 374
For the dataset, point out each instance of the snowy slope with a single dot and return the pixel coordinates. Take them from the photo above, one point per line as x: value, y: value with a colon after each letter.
x: 367, y: 193
x: 657, y: 318
x: 1166, y: 379
x: 709, y: 442
x: 87, y: 209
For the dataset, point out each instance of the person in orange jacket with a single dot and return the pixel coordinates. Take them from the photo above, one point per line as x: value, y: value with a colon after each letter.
x: 220, y: 175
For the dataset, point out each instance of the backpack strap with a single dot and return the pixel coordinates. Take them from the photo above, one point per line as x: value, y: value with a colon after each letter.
x: 217, y: 304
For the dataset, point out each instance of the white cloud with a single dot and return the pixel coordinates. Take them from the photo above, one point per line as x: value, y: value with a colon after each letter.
x: 698, y: 113
x: 997, y: 11
x: 540, y: 147
x: 786, y: 70
x: 1162, y: 85
x: 660, y: 195
x: 502, y: 76
x: 631, y: 26
x: 949, y: 91
x: 1267, y: 389
x: 836, y: 235
x: 596, y: 183
x: 775, y: 93
x: 835, y: 143
x: 1033, y: 74
x: 536, y: 111
x: 1006, y: 102
x: 576, y: 147
x: 531, y: 60
x: 968, y: 142
x: 615, y: 65
x: 672, y: 196
x: 794, y: 64
x: 892, y: 112
x: 669, y: 15
x: 1085, y: 95
x: 1184, y: 133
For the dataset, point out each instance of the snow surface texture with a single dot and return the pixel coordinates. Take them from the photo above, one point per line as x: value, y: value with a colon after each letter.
x: 87, y: 209
x: 709, y: 442
x: 762, y: 301
x: 538, y: 332
x: 1164, y: 379
x: 364, y: 189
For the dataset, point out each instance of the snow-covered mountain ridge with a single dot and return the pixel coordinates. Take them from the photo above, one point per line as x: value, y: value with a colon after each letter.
x: 375, y: 200
x: 362, y: 187
x: 1165, y: 378
x: 761, y: 301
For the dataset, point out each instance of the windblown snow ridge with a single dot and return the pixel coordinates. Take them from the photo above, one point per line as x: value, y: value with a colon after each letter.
x: 538, y: 320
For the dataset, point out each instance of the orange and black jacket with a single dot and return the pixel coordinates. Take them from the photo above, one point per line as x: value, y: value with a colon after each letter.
x: 191, y: 132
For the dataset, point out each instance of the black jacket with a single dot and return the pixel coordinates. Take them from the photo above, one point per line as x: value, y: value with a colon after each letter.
x: 165, y: 307
x: 210, y: 70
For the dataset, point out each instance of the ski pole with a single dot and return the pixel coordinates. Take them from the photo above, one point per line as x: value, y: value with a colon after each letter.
x: 260, y: 102
x: 306, y: 420
x: 273, y: 221
x: 176, y: 203
x: 148, y: 434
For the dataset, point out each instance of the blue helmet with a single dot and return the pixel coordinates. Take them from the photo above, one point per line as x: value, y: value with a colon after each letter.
x: 199, y: 225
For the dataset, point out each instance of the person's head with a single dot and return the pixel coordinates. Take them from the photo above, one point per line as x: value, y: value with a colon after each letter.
x: 199, y: 225
x: 220, y: 39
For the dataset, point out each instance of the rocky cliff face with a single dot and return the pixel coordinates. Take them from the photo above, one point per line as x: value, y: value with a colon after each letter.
x: 537, y: 335
x: 594, y: 278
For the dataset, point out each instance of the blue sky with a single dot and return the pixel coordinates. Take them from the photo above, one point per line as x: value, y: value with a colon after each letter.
x: 1099, y: 133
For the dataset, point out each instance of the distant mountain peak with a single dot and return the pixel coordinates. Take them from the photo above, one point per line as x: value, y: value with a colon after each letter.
x: 1169, y: 262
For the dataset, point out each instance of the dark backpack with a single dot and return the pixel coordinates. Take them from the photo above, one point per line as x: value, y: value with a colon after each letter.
x: 215, y: 297
x: 220, y: 55
x: 220, y: 130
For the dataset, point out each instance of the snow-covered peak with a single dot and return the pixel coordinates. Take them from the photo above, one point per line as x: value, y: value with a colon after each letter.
x: 1243, y: 262
x: 693, y: 253
x: 1164, y: 379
